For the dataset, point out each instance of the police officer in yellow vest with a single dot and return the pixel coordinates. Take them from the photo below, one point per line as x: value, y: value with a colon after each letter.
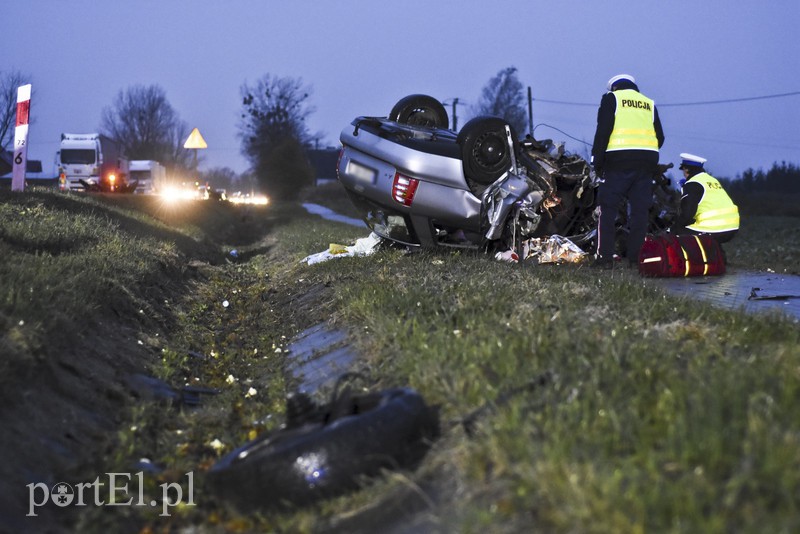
x: 625, y: 158
x: 705, y: 206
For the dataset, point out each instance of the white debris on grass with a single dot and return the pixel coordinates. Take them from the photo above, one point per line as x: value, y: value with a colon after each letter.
x: 507, y: 255
x: 362, y: 247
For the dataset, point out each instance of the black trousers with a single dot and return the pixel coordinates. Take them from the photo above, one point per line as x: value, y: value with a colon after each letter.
x: 635, y: 187
x: 721, y: 237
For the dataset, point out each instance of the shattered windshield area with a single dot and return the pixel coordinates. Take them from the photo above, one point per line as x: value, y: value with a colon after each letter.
x: 77, y: 156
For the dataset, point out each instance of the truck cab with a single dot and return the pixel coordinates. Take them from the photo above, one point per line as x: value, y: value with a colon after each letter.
x: 90, y: 162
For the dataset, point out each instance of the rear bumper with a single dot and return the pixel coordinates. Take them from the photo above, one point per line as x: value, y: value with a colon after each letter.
x: 443, y: 212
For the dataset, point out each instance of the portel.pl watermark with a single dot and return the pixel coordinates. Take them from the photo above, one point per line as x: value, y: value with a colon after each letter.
x: 109, y: 490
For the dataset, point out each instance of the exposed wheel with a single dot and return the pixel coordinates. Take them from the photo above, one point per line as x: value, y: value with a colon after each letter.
x: 420, y: 110
x: 484, y: 149
x: 324, y: 451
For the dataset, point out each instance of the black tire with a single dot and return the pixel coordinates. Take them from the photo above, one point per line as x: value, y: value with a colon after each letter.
x: 299, y: 465
x: 484, y: 149
x: 420, y: 110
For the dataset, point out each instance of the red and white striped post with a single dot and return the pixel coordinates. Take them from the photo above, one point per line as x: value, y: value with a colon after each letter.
x: 21, y: 138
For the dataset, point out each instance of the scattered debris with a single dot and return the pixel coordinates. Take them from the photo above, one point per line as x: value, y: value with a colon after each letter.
x: 507, y: 255
x: 326, y: 450
x: 362, y: 247
x: 756, y: 296
x: 553, y: 249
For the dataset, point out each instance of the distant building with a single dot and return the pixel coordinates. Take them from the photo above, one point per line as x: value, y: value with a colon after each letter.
x: 324, y: 161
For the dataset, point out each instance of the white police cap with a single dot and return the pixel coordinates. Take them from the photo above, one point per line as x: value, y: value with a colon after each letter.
x: 690, y: 160
x: 619, y: 77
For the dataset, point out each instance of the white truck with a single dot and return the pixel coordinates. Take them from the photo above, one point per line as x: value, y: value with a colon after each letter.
x: 92, y: 162
x: 151, y: 176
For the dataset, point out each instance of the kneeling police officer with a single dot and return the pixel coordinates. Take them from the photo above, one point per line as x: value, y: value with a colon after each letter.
x: 705, y: 206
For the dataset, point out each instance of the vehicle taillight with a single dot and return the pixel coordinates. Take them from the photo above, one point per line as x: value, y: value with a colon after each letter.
x: 404, y: 188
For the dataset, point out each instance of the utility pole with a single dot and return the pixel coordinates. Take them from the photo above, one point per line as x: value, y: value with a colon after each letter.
x: 530, y: 111
x: 453, y: 102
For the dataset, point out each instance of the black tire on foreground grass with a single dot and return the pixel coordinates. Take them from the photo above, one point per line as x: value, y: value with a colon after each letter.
x: 326, y: 451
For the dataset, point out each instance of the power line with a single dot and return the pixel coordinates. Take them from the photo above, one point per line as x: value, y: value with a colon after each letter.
x: 702, y: 103
x: 683, y: 136
x: 745, y: 99
x: 562, y: 131
x: 564, y: 103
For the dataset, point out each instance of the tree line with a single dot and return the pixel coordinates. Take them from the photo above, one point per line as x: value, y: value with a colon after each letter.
x: 274, y: 133
x: 780, y: 178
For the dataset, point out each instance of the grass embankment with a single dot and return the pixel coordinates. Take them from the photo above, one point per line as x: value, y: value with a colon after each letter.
x: 90, y: 289
x: 610, y: 407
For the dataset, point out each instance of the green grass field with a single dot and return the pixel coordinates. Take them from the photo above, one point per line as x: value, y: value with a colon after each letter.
x: 571, y: 400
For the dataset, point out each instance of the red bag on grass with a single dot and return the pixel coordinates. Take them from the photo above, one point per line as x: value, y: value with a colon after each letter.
x: 681, y: 255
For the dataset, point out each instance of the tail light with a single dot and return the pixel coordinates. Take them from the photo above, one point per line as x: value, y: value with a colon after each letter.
x: 404, y: 189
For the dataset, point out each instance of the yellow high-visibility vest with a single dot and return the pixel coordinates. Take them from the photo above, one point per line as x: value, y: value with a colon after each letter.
x: 633, y: 123
x: 716, y: 211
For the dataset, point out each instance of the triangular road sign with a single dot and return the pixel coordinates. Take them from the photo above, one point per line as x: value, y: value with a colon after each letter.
x: 195, y: 140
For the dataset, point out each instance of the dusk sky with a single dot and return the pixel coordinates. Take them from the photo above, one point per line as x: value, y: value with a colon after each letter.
x: 361, y: 56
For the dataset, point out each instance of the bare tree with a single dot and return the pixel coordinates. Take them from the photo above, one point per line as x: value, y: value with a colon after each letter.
x: 503, y: 96
x: 146, y: 125
x: 275, y: 135
x: 9, y: 82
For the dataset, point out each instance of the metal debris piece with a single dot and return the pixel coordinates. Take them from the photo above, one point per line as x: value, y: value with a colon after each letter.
x: 756, y: 296
x: 508, y: 192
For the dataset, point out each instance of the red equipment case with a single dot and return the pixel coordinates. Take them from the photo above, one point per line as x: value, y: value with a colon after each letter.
x: 681, y: 255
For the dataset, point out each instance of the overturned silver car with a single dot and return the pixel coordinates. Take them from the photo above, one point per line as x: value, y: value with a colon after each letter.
x: 418, y: 183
